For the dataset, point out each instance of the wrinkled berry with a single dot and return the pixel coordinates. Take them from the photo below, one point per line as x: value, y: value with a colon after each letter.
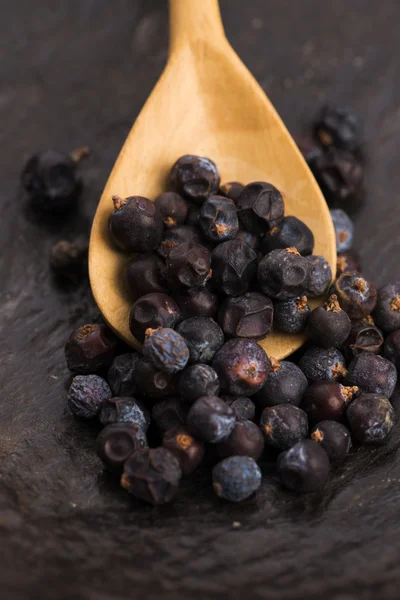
x: 90, y: 348
x: 260, y: 207
x: 284, y: 274
x: 86, y: 395
x: 236, y: 478
x: 347, y: 262
x: 174, y: 236
x: 320, y: 276
x: 135, y: 224
x: 371, y: 418
x: 246, y: 439
x: 170, y: 413
x: 166, y: 349
x: 338, y: 126
x: 153, y: 311
x: 327, y: 400
x: 387, y: 311
x: 145, y: 274
x: 124, y: 410
x: 172, y: 208
x: 152, y: 475
x: 67, y: 259
x: 234, y: 265
x: 334, y: 438
x: 117, y: 442
x: 286, y: 384
x: 364, y: 337
x: 121, y: 374
x: 188, y: 265
x: 283, y: 425
x: 195, y: 177
x: 372, y: 374
x: 328, y: 325
x: 321, y: 363
x: 304, y: 467
x: 231, y: 190
x: 242, y: 367
x: 291, y: 316
x: 290, y: 233
x: 203, y: 337
x: 356, y: 295
x: 196, y: 381
x: 245, y: 409
x: 154, y: 383
x: 197, y: 302
x: 392, y: 348
x: 251, y: 239
x: 185, y: 447
x: 218, y: 219
x: 248, y: 316
x: 211, y: 419
x: 344, y: 229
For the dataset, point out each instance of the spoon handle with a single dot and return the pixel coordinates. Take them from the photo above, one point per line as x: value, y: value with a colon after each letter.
x: 194, y: 20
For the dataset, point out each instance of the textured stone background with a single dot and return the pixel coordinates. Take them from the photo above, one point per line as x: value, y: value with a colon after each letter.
x: 77, y: 72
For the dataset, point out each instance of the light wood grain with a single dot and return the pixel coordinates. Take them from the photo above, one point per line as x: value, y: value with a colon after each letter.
x: 207, y: 103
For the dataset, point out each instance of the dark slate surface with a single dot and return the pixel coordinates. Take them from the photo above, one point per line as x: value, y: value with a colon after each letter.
x: 77, y: 72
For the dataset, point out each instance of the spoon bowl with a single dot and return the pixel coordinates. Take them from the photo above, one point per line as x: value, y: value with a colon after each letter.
x: 206, y: 103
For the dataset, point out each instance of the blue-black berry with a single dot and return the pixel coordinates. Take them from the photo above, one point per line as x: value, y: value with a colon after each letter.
x: 135, y: 224
x: 283, y: 274
x: 334, y: 438
x: 87, y: 394
x: 328, y: 325
x: 286, y: 384
x: 304, y: 467
x: 121, y: 374
x: 203, y: 337
x: 283, y: 425
x: 291, y: 316
x: 196, y: 381
x: 211, y: 419
x: 117, y: 442
x: 124, y: 410
x: 236, y: 478
x: 373, y: 374
x: 218, y: 219
x: 166, y: 350
x: 321, y: 363
x: 371, y: 418
x: 195, y: 177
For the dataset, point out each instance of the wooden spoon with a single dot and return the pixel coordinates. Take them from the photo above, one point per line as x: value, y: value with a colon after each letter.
x: 207, y: 103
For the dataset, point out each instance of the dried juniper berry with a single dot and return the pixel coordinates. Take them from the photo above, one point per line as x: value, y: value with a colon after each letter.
x: 387, y: 311
x: 196, y: 381
x: 372, y: 374
x: 291, y: 316
x: 193, y: 215
x: 86, y: 395
x: 174, y: 236
x: 356, y: 295
x: 187, y: 449
x: 284, y: 274
x: 152, y: 475
x: 328, y: 325
x: 304, y: 467
x: 211, y: 419
x: 218, y: 219
x: 68, y: 259
x: 340, y: 176
x: 145, y: 274
x: 203, y: 336
x: 121, y: 374
x: 321, y: 363
x: 90, y: 348
x: 334, y: 438
x: 290, y: 233
x: 286, y: 384
x: 246, y: 439
x: 197, y: 302
x: 153, y: 311
x: 170, y: 413
x: 234, y: 265
x: 236, y: 478
x: 371, y: 418
x: 51, y: 181
x: 135, y: 224
x: 392, y: 348
x: 347, y: 262
x: 327, y: 400
x: 242, y: 367
x: 320, y: 276
x: 283, y: 425
x: 153, y: 383
x: 364, y: 337
x: 245, y: 409
x: 188, y: 265
x: 344, y: 229
x: 117, y: 442
x: 251, y: 239
x: 172, y: 208
x: 338, y: 126
x: 124, y: 410
x: 166, y: 349
x: 195, y: 177
x: 248, y: 316
x: 260, y: 207
x: 231, y: 190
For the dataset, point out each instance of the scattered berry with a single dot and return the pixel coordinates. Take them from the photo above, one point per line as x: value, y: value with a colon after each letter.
x: 286, y: 384
x: 371, y: 418
x: 334, y: 438
x: 304, y: 467
x: 328, y: 325
x: 320, y: 276
x: 145, y: 274
x: 321, y: 363
x: 291, y: 316
x: 248, y: 316
x: 387, y: 311
x: 340, y: 176
x: 327, y: 400
x: 197, y: 381
x: 338, y: 126
x: 166, y: 349
x: 203, y: 337
x: 121, y: 374
x: 372, y: 374
x: 344, y: 229
x: 185, y: 447
x: 246, y: 439
x: 236, y: 478
x: 90, y: 348
x: 290, y: 233
x: 234, y: 265
x: 67, y: 259
x: 283, y: 425
x: 218, y: 219
x: 153, y: 311
x: 283, y: 274
x: 356, y: 295
x: 124, y: 410
x: 172, y: 208
x: 211, y: 419
x: 86, y: 395
x: 135, y: 224
x: 117, y: 442
x: 260, y: 207
x: 169, y: 413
